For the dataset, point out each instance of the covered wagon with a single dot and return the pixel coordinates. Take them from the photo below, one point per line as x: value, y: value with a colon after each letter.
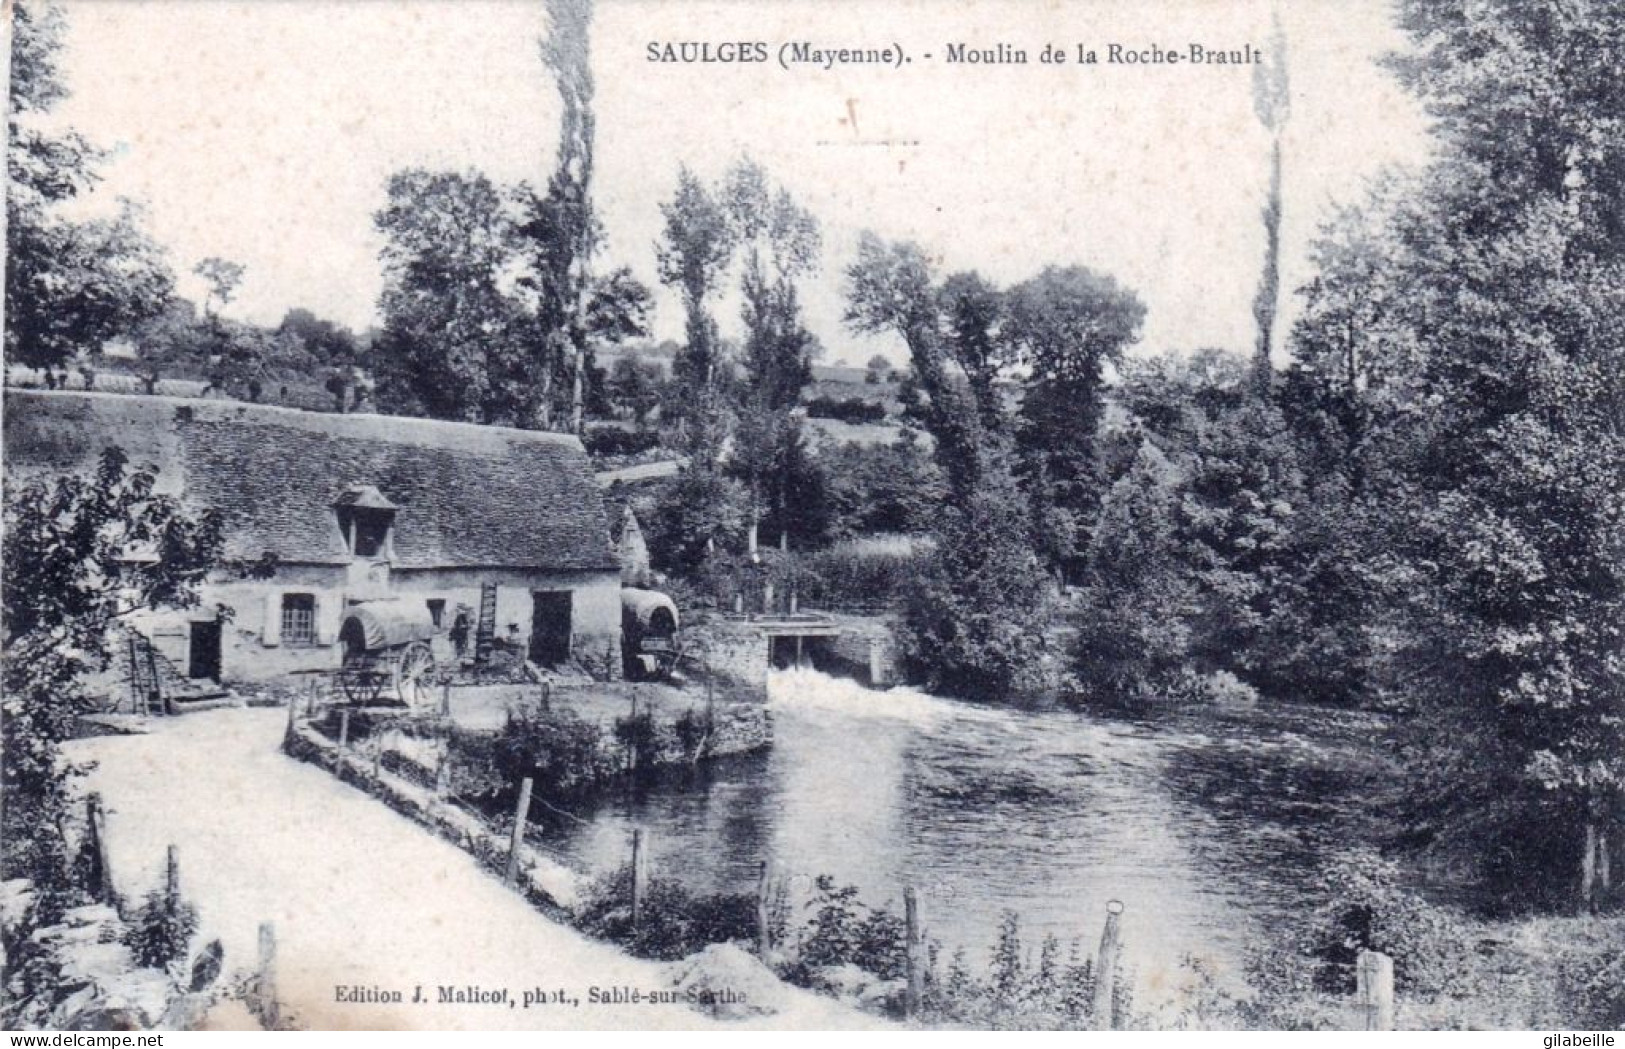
x: 386, y: 652
x: 648, y: 632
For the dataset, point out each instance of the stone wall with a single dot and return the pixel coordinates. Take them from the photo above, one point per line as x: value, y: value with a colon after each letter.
x: 734, y: 652
x: 865, y: 651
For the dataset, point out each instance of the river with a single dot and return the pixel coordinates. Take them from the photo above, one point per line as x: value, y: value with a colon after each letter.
x: 1207, y: 825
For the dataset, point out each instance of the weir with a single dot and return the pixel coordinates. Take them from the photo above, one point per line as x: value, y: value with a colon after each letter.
x: 856, y: 647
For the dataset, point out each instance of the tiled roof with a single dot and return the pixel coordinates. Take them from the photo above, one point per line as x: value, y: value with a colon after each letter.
x: 467, y: 496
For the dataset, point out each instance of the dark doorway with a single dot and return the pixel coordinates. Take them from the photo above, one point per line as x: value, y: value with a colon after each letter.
x: 203, y: 654
x: 550, y: 627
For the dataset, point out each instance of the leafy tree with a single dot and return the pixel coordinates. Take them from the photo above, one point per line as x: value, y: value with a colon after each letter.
x: 456, y: 342
x: 172, y: 342
x: 634, y: 385
x: 882, y: 488
x: 877, y: 370
x: 331, y: 348
x: 223, y: 277
x: 778, y: 242
x: 1486, y: 395
x: 698, y: 512
x: 1066, y: 325
x: 560, y: 228
x: 891, y: 290
x: 1134, y: 616
x: 81, y: 554
x: 1272, y: 101
x: 975, y: 623
x: 693, y: 255
x: 70, y: 286
x: 975, y: 312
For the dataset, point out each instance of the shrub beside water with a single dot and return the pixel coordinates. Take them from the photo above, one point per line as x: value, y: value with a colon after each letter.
x: 675, y: 922
x: 161, y: 930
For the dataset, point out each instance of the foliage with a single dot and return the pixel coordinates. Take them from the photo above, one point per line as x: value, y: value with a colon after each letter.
x: 82, y: 553
x: 696, y: 246
x: 1366, y: 908
x: 856, y: 574
x: 560, y: 230
x: 162, y: 928
x: 562, y: 751
x: 842, y: 931
x: 637, y: 737
x: 456, y: 343
x: 1134, y: 608
x: 1065, y: 325
x: 674, y: 922
x: 853, y: 410
x: 1465, y: 339
x: 635, y: 387
x: 975, y: 618
x: 1272, y: 101
x: 975, y: 621
x: 694, y: 730
x: 881, y: 489
x: 697, y: 513
x: 70, y: 285
x: 601, y: 441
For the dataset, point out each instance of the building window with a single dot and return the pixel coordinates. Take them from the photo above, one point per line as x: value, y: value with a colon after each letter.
x: 299, y: 619
x: 437, y: 612
x: 371, y: 532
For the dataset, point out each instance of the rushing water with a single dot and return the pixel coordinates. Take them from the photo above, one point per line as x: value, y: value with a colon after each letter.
x: 1206, y: 826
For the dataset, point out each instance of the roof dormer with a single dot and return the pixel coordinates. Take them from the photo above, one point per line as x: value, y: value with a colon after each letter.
x: 367, y: 521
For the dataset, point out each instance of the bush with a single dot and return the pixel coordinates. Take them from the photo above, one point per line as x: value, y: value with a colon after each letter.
x: 843, y: 931
x: 1368, y: 910
x: 606, y: 441
x: 638, y: 737
x: 675, y: 922
x: 161, y: 930
x: 854, y: 410
x: 851, y: 574
x: 555, y: 746
x: 695, y: 729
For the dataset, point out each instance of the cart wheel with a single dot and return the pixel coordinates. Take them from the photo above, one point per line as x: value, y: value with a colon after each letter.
x: 414, y: 675
x: 352, y: 681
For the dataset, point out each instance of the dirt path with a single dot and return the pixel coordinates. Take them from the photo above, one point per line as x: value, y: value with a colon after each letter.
x: 360, y: 897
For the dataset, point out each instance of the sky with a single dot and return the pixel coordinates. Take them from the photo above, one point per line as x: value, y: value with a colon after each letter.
x: 263, y: 131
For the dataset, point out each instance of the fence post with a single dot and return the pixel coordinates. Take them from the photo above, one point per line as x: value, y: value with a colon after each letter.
x: 764, y: 932
x: 96, y: 830
x: 1374, y: 985
x: 521, y: 813
x: 265, y: 993
x: 640, y: 875
x: 1106, y: 969
x: 344, y: 728
x: 445, y: 698
x: 442, y: 774
x: 632, y: 736
x: 913, y: 953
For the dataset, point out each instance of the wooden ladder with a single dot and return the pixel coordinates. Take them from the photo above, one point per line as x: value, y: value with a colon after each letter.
x: 486, y: 632
x: 146, y: 686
